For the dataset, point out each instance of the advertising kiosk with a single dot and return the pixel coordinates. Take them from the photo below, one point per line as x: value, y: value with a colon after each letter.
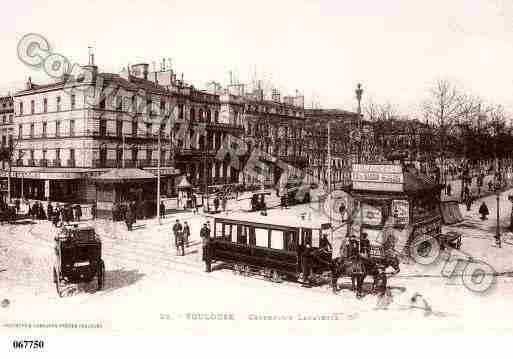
x: 394, y: 196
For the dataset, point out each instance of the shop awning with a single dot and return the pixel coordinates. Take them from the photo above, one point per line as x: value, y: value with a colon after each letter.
x: 124, y: 175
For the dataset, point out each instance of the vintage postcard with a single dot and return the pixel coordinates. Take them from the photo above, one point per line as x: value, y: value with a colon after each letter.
x: 173, y: 168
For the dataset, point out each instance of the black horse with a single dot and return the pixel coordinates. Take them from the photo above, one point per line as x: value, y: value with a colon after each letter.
x: 358, y: 268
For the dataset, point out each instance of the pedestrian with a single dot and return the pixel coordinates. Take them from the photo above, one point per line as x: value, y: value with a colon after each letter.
x: 179, y: 242
x: 129, y: 218
x: 483, y: 211
x: 186, y: 233
x: 162, y: 209
x: 205, y: 239
x: 469, y: 202
x: 78, y: 212
x: 177, y: 229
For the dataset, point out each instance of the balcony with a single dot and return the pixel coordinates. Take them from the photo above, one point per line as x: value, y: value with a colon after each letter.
x: 19, y: 162
x: 31, y: 162
x: 56, y: 163
x: 71, y: 163
x: 43, y: 163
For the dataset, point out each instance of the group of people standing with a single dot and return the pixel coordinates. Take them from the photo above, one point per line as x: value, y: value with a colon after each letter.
x: 181, y: 235
x: 63, y: 214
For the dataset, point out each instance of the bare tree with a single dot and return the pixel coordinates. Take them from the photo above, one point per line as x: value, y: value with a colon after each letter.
x: 445, y: 107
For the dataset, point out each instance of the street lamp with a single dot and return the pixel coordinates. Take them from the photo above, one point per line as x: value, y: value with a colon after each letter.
x: 359, y: 92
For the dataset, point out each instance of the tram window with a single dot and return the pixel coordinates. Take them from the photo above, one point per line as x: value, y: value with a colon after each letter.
x: 307, y: 236
x: 315, y: 238
x: 277, y: 239
x: 228, y: 232
x: 242, y: 234
x: 261, y: 237
x: 219, y: 231
x: 290, y: 243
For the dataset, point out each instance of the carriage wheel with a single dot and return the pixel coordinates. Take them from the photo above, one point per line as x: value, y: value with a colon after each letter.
x: 101, y: 275
x: 57, y: 284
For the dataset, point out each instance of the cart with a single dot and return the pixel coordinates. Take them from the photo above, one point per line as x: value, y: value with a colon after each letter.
x: 77, y: 258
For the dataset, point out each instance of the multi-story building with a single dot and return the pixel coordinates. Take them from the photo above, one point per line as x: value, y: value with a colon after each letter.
x: 347, y: 144
x: 6, y: 123
x: 68, y: 132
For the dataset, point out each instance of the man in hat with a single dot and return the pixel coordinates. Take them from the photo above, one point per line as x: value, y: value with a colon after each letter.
x: 177, y: 231
x: 186, y: 233
x: 205, y: 238
x: 365, y: 245
x: 352, y: 248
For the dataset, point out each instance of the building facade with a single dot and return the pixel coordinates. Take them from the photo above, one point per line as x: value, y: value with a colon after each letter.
x: 68, y: 132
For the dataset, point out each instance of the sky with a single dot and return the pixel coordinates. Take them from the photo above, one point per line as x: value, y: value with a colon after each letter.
x: 396, y: 49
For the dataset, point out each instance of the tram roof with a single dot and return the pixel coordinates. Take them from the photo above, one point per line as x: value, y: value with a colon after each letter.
x: 272, y: 219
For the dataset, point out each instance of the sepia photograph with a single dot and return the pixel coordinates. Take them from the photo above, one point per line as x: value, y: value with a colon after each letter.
x: 300, y: 168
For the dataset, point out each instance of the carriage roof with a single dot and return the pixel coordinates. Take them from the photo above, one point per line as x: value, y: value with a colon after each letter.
x: 82, y: 234
x: 281, y: 219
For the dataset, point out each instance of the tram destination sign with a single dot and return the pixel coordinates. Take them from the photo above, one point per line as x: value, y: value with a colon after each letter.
x: 387, y: 178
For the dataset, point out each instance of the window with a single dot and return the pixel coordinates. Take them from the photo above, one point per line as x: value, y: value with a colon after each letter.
x: 103, y: 127
x: 134, y: 128
x: 20, y: 154
x: 45, y: 105
x: 72, y: 155
x: 32, y: 107
x: 10, y: 141
x: 73, y: 101
x: 119, y: 155
x: 216, y: 117
x: 119, y: 103
x: 193, y: 115
x: 209, y: 116
x: 180, y: 111
x: 4, y: 118
x: 20, y: 131
x: 58, y: 154
x: 72, y: 127
x: 21, y: 108
x: 134, y: 154
x: 102, y: 104
x: 149, y: 154
x: 200, y: 115
x: 10, y: 118
x: 44, y: 129
x: 119, y: 127
x: 32, y: 155
x: 57, y: 128
x: 31, y: 130
x: 58, y: 103
x: 148, y: 130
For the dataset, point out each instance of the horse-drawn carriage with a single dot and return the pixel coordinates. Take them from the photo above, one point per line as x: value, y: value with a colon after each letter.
x: 7, y: 213
x: 78, y: 258
x: 286, y: 248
